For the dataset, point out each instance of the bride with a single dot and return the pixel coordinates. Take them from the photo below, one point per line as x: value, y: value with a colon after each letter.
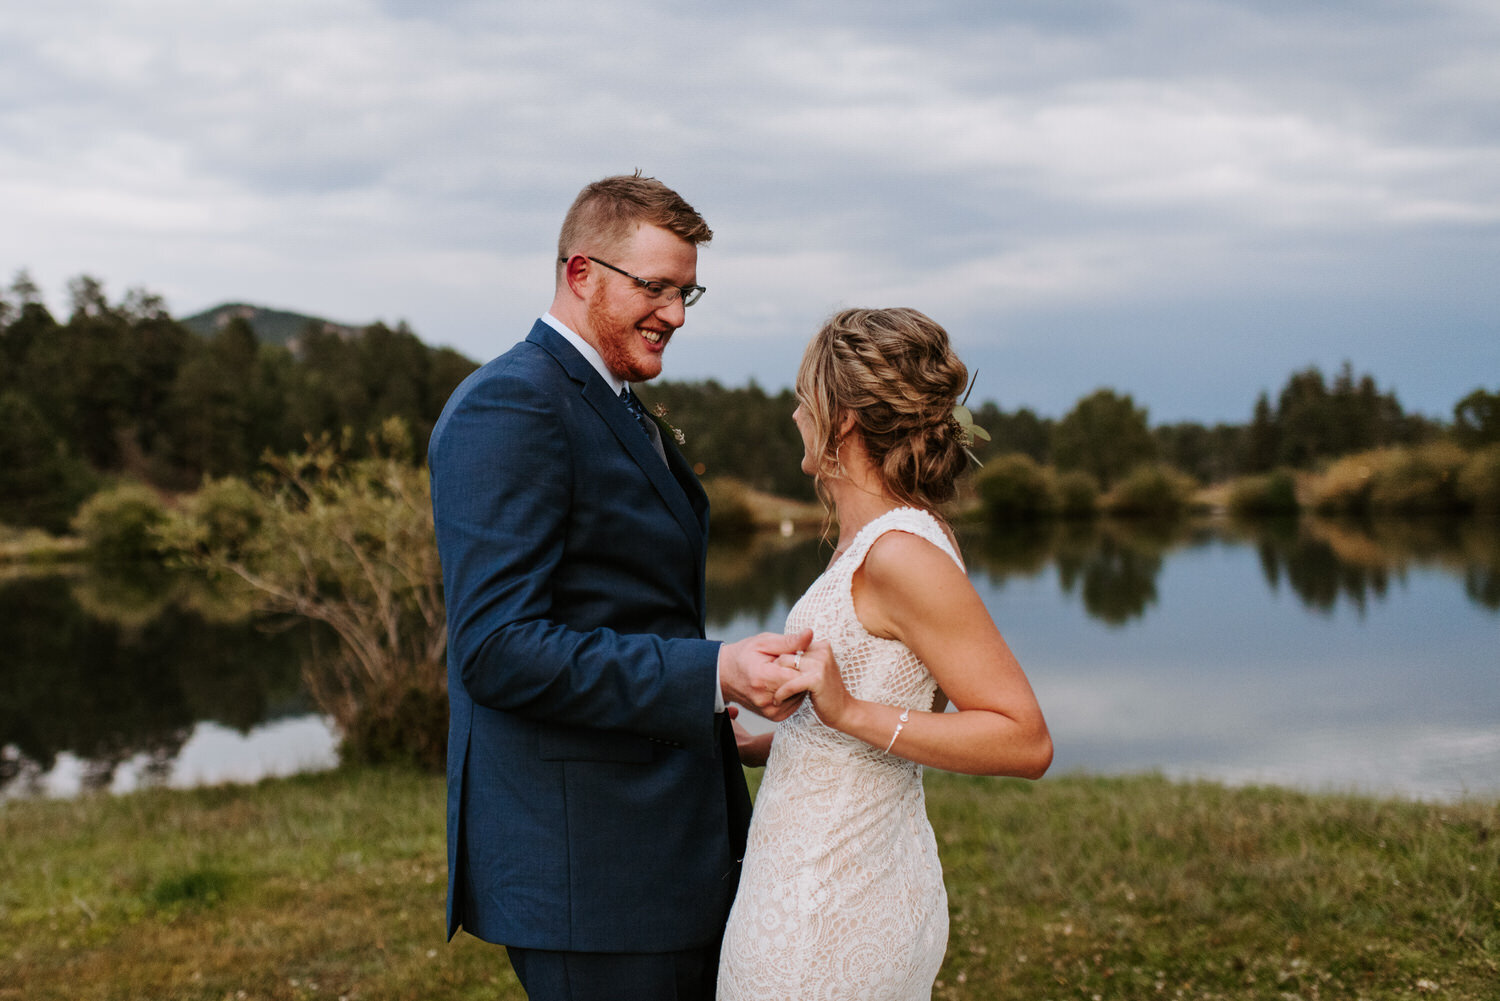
x: 842, y: 894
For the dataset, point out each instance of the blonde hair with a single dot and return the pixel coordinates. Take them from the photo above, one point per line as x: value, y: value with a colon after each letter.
x: 894, y: 371
x: 607, y: 212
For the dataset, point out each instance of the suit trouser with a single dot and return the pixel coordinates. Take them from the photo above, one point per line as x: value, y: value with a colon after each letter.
x: 689, y: 975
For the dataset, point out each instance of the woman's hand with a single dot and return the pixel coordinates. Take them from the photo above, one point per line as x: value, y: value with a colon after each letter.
x: 818, y: 676
x: 754, y: 749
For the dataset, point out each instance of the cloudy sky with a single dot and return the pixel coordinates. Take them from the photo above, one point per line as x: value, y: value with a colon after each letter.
x: 1185, y: 200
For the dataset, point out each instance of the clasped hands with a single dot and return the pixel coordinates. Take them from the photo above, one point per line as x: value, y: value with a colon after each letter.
x: 771, y: 674
x: 754, y: 670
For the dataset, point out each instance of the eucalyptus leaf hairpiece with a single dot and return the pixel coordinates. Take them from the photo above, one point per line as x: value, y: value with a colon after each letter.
x: 963, y: 424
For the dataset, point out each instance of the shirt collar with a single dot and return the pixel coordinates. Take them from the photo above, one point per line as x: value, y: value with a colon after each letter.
x: 587, y: 350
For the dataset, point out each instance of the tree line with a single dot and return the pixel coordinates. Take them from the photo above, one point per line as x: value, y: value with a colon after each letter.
x: 123, y: 390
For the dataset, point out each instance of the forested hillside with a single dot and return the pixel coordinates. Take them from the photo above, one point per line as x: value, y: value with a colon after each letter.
x: 122, y: 389
x: 278, y: 327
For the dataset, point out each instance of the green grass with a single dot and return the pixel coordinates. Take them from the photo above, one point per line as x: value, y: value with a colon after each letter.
x: 331, y: 886
x: 1141, y: 888
x: 321, y: 886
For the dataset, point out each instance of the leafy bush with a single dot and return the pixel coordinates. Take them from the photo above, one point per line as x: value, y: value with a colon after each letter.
x: 1479, y: 482
x: 348, y: 542
x: 1345, y: 487
x: 1015, y: 487
x: 1421, y: 480
x: 1274, y: 493
x: 120, y: 524
x: 1151, y: 491
x: 223, y: 518
x: 1077, y: 494
x: 407, y: 727
x: 729, y: 511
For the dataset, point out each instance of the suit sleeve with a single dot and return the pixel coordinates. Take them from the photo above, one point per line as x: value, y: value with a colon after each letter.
x: 507, y: 468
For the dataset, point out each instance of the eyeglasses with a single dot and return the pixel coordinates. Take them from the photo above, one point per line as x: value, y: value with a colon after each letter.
x: 664, y: 292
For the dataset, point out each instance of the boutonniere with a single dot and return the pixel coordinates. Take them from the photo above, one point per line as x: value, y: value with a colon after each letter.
x: 963, y: 426
x: 659, y: 414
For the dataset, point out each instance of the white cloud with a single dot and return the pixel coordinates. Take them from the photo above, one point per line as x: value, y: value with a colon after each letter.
x: 413, y: 160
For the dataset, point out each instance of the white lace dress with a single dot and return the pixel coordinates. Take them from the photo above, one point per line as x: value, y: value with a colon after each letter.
x: 842, y: 892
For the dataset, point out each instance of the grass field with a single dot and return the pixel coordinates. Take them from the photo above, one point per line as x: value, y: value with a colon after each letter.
x: 332, y: 886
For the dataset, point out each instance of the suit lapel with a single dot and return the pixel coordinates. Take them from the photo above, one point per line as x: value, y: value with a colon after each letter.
x: 673, y: 480
x: 687, y: 482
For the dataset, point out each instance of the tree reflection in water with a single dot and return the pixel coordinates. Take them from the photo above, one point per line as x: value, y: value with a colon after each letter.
x: 759, y: 576
x: 1112, y: 565
x: 110, y: 667
x: 1325, y: 560
x: 122, y: 667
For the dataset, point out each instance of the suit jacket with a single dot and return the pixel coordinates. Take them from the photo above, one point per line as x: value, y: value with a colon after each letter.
x: 595, y: 800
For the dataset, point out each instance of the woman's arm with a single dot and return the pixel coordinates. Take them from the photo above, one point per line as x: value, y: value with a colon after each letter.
x: 909, y: 590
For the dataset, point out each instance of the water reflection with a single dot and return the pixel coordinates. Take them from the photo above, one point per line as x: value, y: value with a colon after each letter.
x: 756, y: 579
x: 1328, y: 561
x: 212, y: 754
x: 1113, y: 566
x: 1285, y: 651
x: 107, y: 668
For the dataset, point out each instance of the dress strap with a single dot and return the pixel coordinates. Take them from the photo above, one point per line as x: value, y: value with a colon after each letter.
x: 911, y: 520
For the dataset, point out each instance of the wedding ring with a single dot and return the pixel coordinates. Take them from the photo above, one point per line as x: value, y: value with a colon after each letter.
x: 797, y: 661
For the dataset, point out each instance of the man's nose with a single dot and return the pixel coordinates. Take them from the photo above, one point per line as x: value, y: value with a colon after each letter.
x: 673, y: 312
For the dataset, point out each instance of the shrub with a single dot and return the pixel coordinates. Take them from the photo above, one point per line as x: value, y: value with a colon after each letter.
x: 223, y: 517
x: 120, y: 524
x: 407, y: 727
x: 1479, y: 482
x: 1344, y: 488
x: 1077, y: 494
x: 729, y: 511
x: 1417, y: 480
x: 1421, y: 480
x: 347, y: 542
x: 1015, y: 488
x: 1274, y: 493
x: 1151, y: 491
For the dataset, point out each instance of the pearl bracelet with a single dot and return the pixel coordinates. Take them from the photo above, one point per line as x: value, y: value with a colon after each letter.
x: 905, y: 715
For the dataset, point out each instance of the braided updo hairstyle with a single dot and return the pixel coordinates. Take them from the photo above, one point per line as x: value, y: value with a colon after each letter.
x: 894, y: 371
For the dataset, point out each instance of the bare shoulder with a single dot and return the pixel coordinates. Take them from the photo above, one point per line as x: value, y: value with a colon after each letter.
x: 910, y: 589
x: 897, y: 549
x: 908, y: 565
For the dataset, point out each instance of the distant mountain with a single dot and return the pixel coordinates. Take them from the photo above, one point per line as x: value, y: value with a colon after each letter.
x: 271, y: 326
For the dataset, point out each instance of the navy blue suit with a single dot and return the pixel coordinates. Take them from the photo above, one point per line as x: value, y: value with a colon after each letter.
x: 595, y: 800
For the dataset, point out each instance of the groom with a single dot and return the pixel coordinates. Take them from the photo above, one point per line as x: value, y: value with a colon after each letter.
x: 596, y: 806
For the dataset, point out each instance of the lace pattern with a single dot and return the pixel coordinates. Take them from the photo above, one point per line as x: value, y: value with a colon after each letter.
x: 842, y: 893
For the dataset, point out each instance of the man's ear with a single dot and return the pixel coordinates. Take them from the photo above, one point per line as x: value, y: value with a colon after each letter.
x: 578, y: 273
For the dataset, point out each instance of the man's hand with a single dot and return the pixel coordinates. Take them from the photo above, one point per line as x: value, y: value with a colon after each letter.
x: 750, y: 675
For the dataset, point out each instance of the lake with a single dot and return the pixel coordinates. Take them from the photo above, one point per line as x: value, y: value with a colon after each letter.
x: 1309, y: 654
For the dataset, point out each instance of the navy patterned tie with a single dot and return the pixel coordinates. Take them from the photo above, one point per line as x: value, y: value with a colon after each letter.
x: 633, y: 404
